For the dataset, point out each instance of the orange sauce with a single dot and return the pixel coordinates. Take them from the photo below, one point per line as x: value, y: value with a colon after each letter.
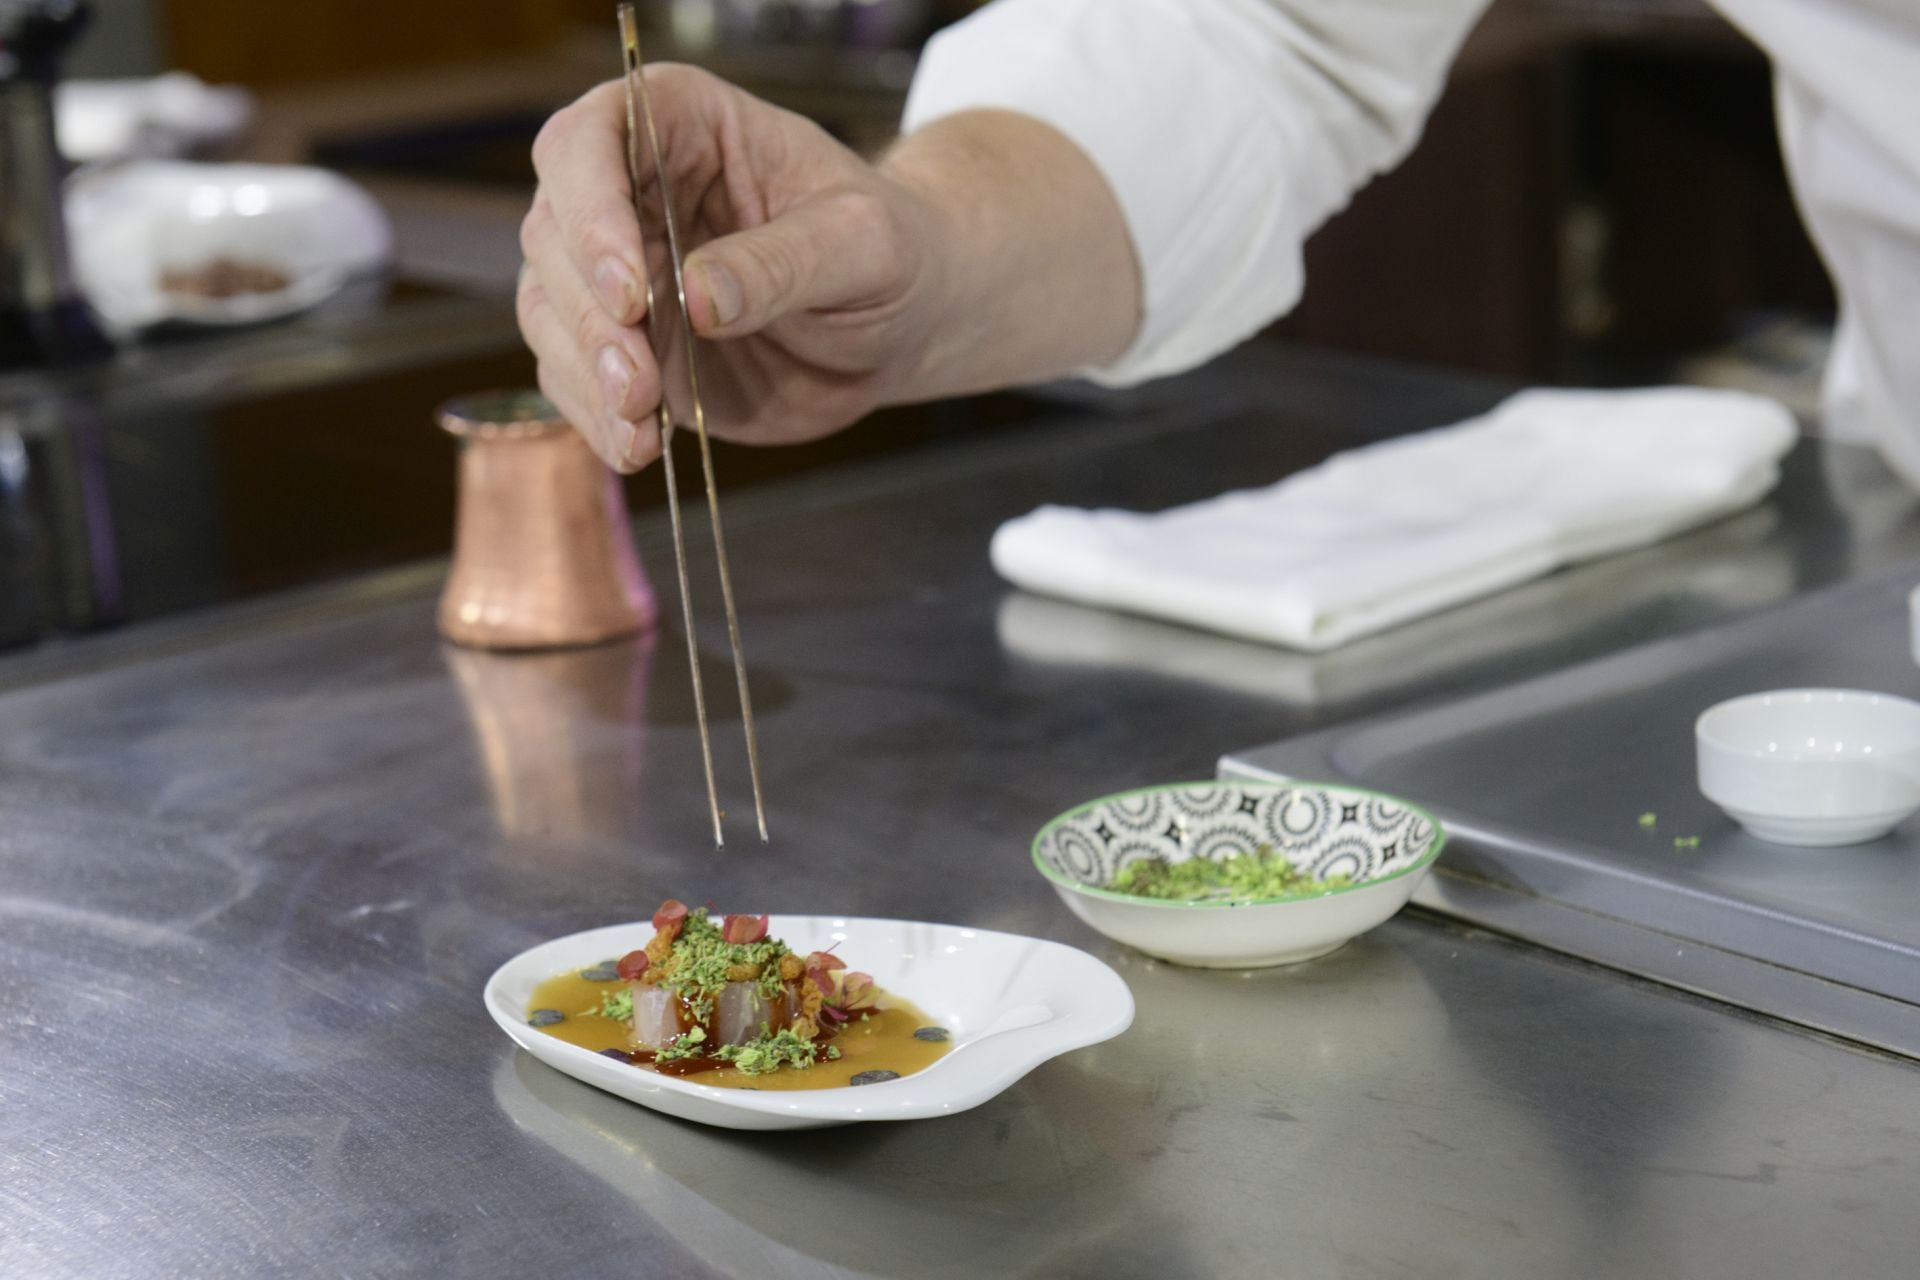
x: 884, y: 1042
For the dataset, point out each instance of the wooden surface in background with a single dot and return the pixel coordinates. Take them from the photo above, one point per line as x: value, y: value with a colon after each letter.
x: 1452, y: 257
x: 262, y: 44
x: 1595, y: 195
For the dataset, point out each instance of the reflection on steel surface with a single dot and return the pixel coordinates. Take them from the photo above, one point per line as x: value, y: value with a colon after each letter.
x: 538, y: 721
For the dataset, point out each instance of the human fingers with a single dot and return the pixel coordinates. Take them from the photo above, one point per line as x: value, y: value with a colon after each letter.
x: 837, y: 249
x: 581, y: 158
x: 572, y: 381
x: 623, y: 362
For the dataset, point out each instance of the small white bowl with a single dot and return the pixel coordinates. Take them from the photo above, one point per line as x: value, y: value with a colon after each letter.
x: 1813, y: 767
x: 131, y: 224
x: 1383, y: 845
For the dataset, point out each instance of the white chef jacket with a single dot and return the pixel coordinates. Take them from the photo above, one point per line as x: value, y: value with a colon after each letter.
x: 1230, y: 129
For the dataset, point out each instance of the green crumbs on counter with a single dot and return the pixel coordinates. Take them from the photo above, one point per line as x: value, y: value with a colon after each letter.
x: 1648, y: 819
x: 1686, y: 842
x: 1240, y: 877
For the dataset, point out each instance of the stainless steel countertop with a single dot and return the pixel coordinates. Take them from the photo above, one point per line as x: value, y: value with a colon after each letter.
x: 255, y: 866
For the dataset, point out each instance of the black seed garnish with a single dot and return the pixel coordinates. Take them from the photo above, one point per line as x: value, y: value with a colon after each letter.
x: 932, y: 1035
x: 546, y: 1017
x: 874, y: 1077
x: 605, y: 971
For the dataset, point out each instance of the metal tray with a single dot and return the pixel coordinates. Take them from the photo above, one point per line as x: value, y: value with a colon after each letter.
x: 1543, y: 785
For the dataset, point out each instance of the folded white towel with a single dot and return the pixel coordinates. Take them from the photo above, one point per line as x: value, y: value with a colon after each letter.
x: 166, y: 115
x: 1379, y: 535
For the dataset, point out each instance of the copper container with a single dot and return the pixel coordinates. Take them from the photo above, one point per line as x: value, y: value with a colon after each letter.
x: 542, y: 554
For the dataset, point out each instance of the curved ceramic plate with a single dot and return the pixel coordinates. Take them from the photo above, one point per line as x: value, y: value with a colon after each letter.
x: 1010, y: 1002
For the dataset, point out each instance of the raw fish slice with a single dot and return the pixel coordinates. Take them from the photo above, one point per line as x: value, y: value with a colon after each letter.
x: 737, y: 1016
x: 742, y: 1011
x: 656, y: 1016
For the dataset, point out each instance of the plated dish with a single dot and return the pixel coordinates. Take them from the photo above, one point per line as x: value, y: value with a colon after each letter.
x: 725, y: 1003
x: 1004, y: 1003
x: 1238, y: 875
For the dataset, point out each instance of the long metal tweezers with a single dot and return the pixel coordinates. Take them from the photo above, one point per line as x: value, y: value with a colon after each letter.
x: 671, y: 349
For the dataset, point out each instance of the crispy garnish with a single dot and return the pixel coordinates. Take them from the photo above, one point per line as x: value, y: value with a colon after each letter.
x: 660, y: 951
x: 811, y: 997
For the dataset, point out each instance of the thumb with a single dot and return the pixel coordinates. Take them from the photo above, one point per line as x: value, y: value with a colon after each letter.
x: 823, y: 253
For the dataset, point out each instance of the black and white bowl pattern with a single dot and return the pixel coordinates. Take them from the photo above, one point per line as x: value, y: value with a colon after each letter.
x: 1324, y: 830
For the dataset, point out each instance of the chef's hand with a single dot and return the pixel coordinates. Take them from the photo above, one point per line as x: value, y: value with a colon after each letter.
x: 985, y: 249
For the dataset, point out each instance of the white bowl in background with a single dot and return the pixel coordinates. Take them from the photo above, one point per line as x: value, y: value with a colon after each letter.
x: 132, y: 223
x: 1813, y: 767
x: 1385, y: 846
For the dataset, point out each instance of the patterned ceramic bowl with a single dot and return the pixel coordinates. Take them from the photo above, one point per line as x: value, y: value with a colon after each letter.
x: 1382, y: 846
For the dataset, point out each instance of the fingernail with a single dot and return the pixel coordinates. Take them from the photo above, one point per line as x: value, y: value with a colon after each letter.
x: 616, y: 286
x: 723, y: 290
x: 616, y: 377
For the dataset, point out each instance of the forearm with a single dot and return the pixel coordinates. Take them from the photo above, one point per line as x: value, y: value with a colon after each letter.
x: 1029, y: 269
x: 1227, y: 129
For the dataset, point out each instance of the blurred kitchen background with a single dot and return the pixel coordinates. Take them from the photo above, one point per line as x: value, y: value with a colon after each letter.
x: 1599, y: 198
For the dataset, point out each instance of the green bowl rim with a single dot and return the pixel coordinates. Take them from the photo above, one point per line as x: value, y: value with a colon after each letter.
x: 1256, y: 784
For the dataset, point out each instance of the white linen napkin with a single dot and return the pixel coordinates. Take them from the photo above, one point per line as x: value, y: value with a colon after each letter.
x: 163, y: 116
x: 1392, y: 531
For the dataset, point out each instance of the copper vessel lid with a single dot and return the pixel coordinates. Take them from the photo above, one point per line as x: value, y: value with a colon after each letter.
x: 501, y: 415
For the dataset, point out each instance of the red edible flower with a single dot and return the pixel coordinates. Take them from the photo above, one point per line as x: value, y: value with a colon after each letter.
x: 855, y: 990
x: 671, y: 913
x: 740, y: 930
x: 820, y: 966
x: 632, y: 965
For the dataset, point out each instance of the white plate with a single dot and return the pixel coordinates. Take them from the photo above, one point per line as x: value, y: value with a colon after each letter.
x: 1010, y: 1003
x: 131, y: 223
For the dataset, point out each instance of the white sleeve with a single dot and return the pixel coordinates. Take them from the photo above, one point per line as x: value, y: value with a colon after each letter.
x: 1228, y: 129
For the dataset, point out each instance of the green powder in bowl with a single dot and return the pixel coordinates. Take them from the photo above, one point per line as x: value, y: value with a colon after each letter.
x: 1260, y: 875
